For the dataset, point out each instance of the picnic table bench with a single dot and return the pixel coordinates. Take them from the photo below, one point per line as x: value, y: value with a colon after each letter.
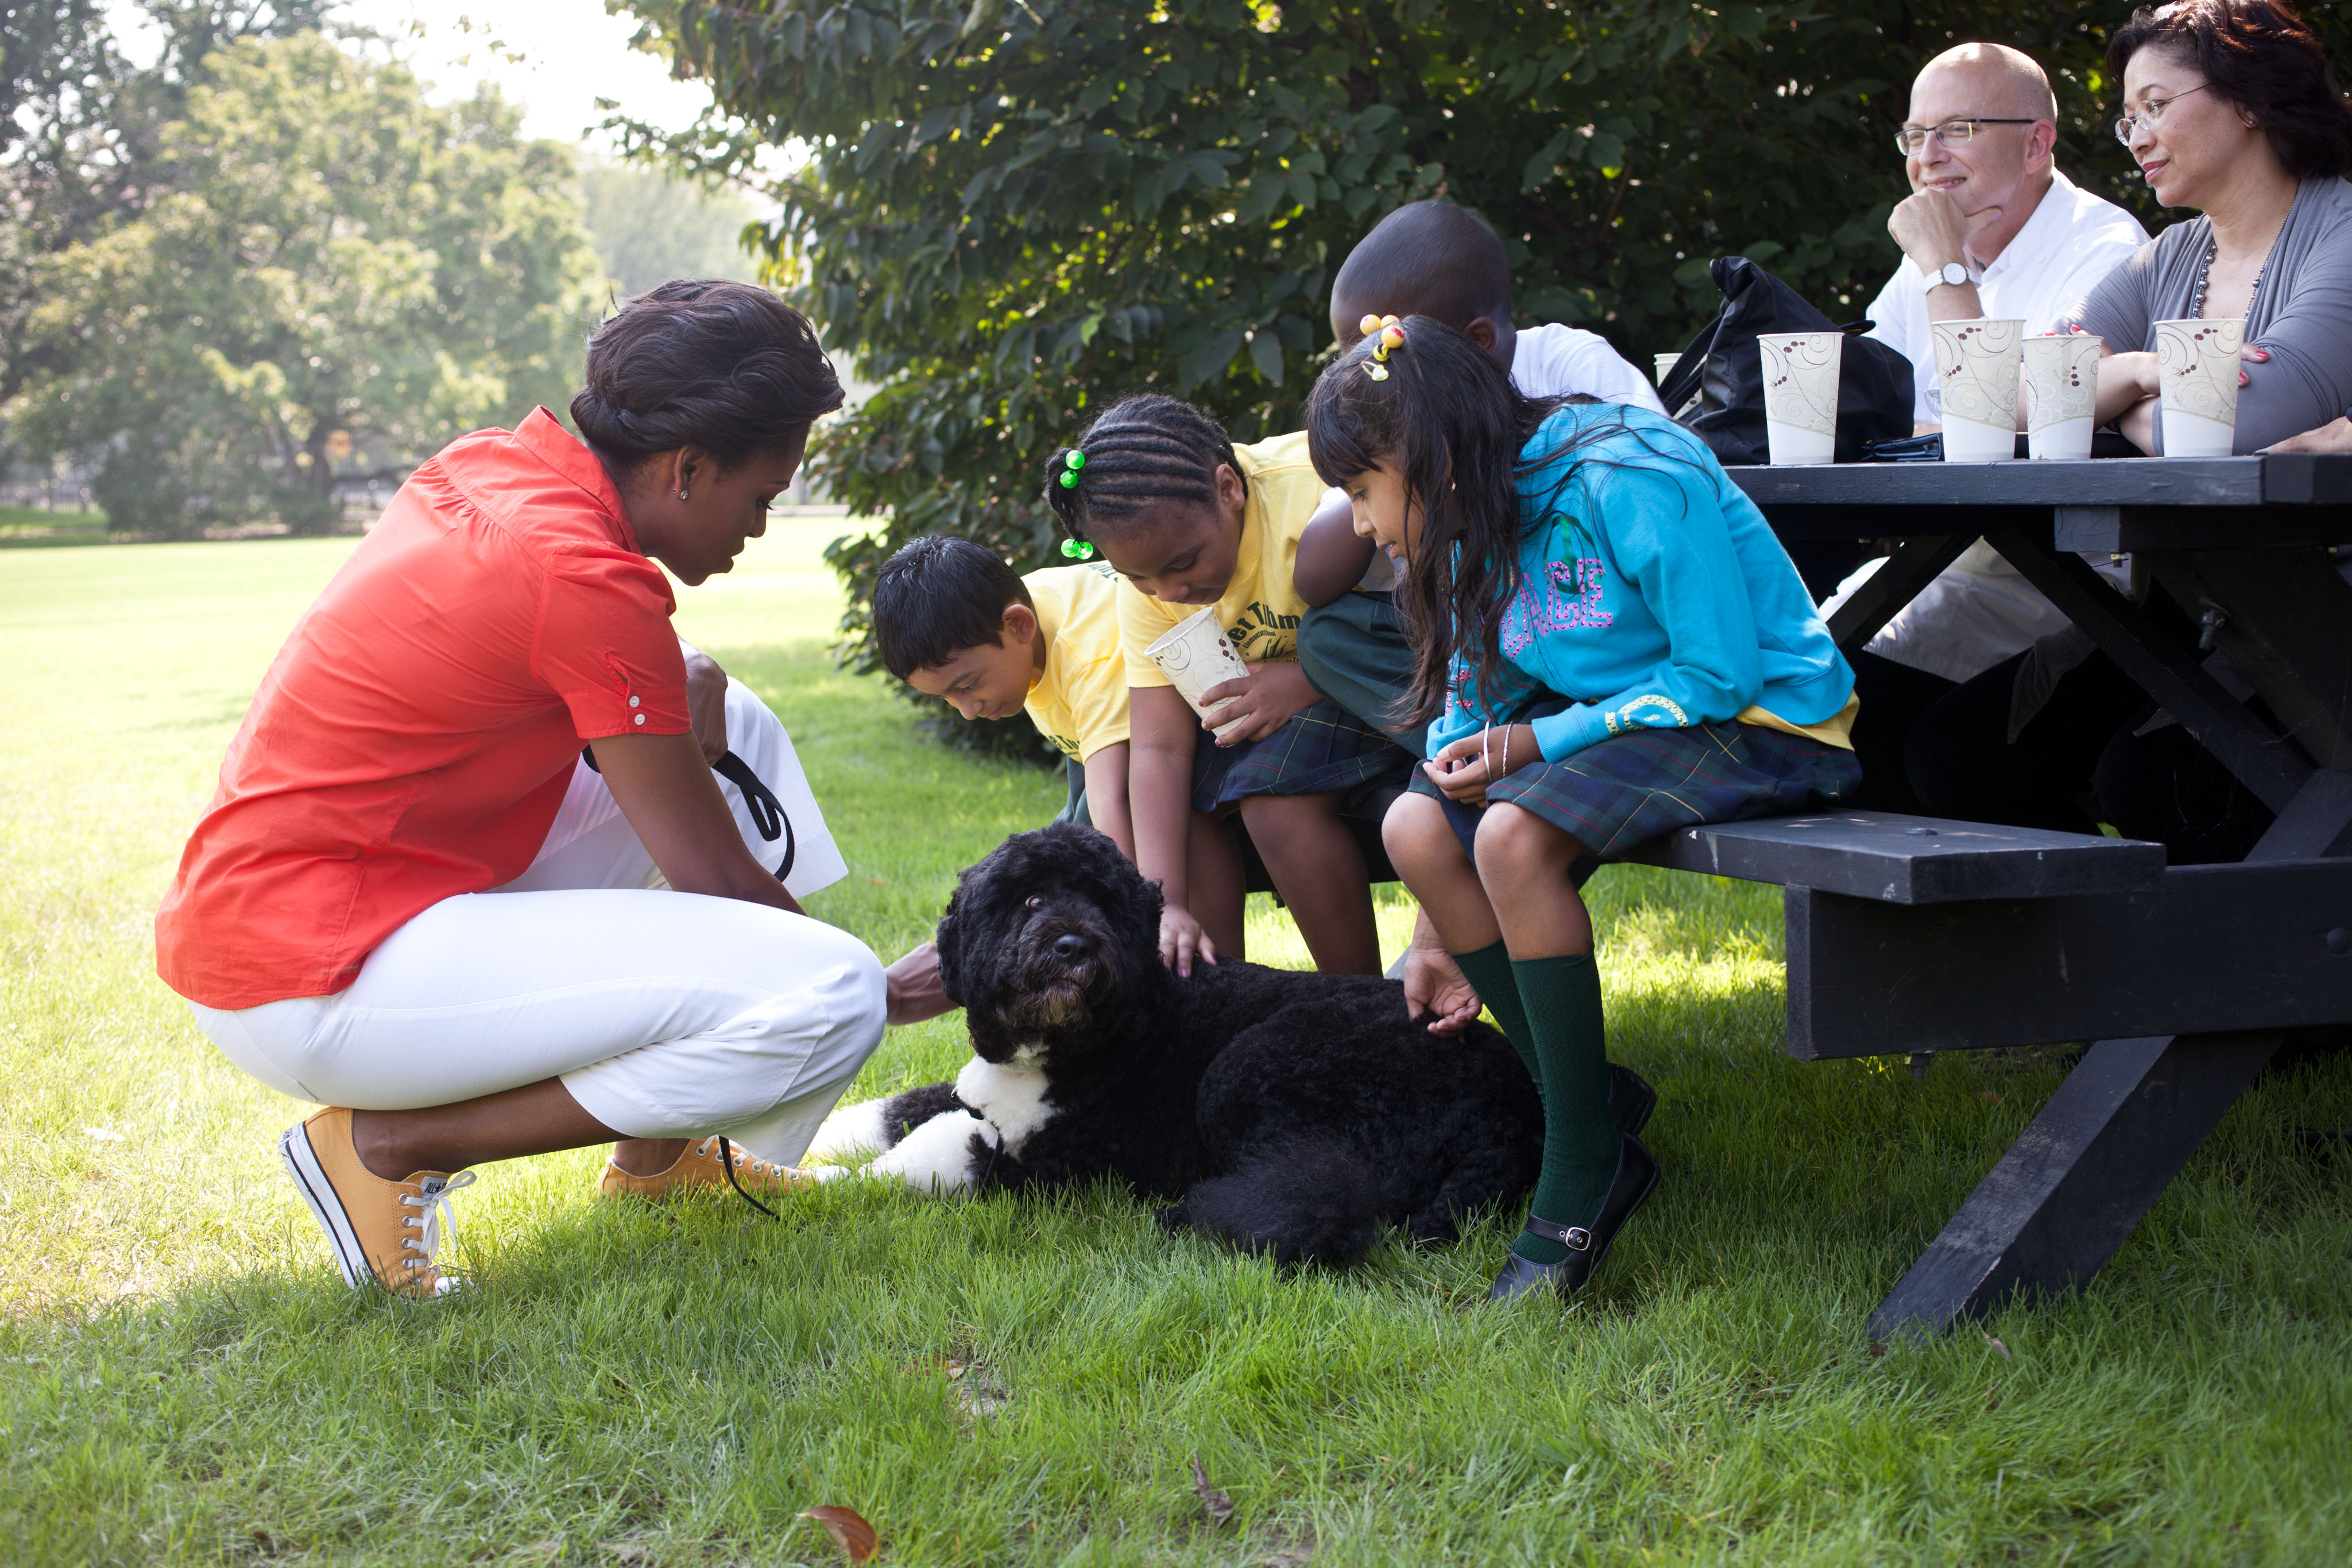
x: 1908, y: 934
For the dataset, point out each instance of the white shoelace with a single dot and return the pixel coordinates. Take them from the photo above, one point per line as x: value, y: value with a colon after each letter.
x: 435, y: 1201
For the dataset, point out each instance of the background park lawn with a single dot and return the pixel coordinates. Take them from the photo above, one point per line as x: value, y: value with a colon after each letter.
x: 184, y: 1378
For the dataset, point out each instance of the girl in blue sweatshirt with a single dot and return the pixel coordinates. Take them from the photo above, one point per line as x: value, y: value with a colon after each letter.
x: 1609, y: 644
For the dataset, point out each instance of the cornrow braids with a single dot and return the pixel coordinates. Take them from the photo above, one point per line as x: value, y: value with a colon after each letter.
x: 1141, y: 452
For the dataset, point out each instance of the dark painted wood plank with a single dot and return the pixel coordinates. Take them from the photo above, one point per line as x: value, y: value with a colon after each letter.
x: 2285, y: 622
x: 2103, y: 482
x: 2117, y: 528
x: 2173, y: 675
x: 1916, y: 564
x: 1887, y: 857
x: 2071, y: 1189
x: 2201, y: 948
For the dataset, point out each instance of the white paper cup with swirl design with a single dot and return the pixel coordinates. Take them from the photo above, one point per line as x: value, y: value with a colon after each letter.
x: 1801, y: 394
x: 1664, y: 364
x: 2197, y: 366
x: 2061, y: 392
x: 1195, y: 655
x: 1976, y: 372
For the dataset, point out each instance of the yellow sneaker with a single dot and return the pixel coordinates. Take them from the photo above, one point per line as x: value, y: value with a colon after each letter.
x: 386, y: 1231
x: 702, y: 1166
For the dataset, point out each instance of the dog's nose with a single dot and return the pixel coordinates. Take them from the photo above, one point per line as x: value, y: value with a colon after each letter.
x: 1069, y: 945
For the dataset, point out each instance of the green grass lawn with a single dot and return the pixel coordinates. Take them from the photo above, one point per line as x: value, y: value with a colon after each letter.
x: 183, y: 1377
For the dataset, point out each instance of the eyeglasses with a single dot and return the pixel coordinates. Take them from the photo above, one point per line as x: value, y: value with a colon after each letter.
x: 2151, y: 109
x: 1951, y: 133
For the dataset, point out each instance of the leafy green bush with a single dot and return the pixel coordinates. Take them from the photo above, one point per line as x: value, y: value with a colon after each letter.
x: 1014, y: 213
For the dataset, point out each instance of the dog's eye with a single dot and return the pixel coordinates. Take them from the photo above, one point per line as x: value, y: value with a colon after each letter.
x: 1034, y: 901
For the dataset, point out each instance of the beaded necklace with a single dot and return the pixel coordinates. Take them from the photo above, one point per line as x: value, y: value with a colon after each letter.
x: 2205, y: 275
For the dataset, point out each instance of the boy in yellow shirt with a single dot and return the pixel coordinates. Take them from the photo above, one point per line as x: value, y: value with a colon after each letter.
x: 955, y: 622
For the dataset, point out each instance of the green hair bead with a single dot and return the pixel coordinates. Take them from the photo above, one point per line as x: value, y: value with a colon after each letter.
x: 1078, y: 549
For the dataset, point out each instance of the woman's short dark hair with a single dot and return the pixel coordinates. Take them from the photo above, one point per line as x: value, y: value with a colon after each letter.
x: 938, y: 596
x: 702, y: 362
x: 2260, y: 56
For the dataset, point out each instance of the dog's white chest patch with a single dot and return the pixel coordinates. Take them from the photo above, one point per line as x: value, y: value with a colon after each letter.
x: 1012, y: 1096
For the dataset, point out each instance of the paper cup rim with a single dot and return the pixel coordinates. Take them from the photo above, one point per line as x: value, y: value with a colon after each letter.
x: 1182, y: 629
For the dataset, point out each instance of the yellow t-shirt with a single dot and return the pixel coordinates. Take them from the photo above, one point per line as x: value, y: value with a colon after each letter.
x: 1080, y: 700
x: 1261, y: 608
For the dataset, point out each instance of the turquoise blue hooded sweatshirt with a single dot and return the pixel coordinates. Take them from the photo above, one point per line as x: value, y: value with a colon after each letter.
x: 1651, y: 594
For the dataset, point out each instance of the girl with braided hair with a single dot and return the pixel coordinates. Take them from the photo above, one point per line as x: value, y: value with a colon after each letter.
x: 1191, y: 519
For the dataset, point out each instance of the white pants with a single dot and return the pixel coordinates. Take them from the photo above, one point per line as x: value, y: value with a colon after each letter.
x: 665, y: 1014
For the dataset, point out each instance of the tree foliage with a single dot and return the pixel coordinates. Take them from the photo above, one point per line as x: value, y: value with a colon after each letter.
x: 649, y: 226
x: 1012, y: 212
x: 325, y: 267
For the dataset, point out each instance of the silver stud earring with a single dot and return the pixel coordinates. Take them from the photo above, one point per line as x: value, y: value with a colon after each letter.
x: 681, y: 494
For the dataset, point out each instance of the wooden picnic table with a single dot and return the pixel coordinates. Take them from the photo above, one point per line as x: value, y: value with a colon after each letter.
x: 1906, y: 936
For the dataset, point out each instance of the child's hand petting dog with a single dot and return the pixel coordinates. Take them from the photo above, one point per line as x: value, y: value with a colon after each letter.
x: 1264, y: 703
x: 1461, y: 769
x: 1182, y: 939
x: 1435, y: 984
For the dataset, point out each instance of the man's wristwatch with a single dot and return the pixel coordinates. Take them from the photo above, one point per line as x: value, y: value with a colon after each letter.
x: 1951, y: 275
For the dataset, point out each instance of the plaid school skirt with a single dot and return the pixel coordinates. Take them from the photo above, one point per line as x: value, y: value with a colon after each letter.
x: 1321, y: 747
x: 1634, y: 788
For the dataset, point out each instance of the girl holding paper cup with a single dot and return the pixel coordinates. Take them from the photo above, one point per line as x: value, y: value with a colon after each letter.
x: 413, y: 901
x: 2231, y: 330
x: 1194, y: 522
x: 1609, y: 644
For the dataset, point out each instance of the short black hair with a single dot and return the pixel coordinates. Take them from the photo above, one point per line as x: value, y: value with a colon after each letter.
x: 938, y: 596
x: 2261, y: 56
x: 1430, y: 258
x: 1142, y: 452
x: 702, y: 362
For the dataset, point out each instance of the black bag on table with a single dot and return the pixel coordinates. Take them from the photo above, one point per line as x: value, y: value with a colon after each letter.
x: 1723, y: 369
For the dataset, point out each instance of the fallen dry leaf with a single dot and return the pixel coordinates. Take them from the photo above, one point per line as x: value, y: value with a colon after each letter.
x: 848, y: 1529
x: 1987, y: 1096
x: 2001, y: 1347
x: 1874, y: 1349
x: 1214, y: 1503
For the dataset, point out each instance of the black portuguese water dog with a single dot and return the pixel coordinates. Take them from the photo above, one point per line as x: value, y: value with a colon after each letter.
x: 1294, y: 1113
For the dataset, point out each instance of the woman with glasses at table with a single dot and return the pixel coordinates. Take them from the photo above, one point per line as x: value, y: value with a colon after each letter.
x: 2230, y: 106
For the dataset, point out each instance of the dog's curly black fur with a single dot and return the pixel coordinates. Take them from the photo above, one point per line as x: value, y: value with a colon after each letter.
x: 1291, y: 1112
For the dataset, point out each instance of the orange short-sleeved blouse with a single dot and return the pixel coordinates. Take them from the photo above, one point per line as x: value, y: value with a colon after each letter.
x: 415, y: 737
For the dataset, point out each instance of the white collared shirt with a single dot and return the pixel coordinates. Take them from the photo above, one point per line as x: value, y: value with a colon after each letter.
x: 2072, y: 240
x: 1554, y: 361
x: 1980, y: 611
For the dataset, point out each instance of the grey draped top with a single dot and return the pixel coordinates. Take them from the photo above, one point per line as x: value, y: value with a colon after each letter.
x: 2302, y: 312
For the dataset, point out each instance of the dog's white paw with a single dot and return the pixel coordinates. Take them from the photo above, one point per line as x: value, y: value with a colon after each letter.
x: 851, y: 1132
x: 936, y: 1157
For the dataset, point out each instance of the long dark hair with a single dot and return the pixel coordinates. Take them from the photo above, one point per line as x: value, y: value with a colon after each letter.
x: 702, y: 362
x: 1448, y: 417
x: 2260, y: 56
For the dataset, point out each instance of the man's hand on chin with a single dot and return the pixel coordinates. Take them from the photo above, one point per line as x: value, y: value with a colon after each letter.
x: 1932, y: 230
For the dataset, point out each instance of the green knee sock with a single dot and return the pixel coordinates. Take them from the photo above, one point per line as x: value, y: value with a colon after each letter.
x: 1488, y: 970
x: 1562, y: 999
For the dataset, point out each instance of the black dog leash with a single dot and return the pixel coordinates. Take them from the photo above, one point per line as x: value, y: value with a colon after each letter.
x: 767, y: 813
x: 768, y: 816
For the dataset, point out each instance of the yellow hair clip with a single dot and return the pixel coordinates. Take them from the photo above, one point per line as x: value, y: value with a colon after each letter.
x: 1390, y: 335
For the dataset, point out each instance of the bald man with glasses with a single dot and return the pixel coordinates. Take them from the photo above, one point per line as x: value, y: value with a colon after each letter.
x: 1991, y: 229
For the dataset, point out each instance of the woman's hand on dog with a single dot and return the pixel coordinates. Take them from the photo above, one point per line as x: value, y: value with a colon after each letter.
x: 1462, y: 770
x: 1435, y: 984
x: 913, y: 988
x: 1182, y: 939
x: 1262, y: 703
